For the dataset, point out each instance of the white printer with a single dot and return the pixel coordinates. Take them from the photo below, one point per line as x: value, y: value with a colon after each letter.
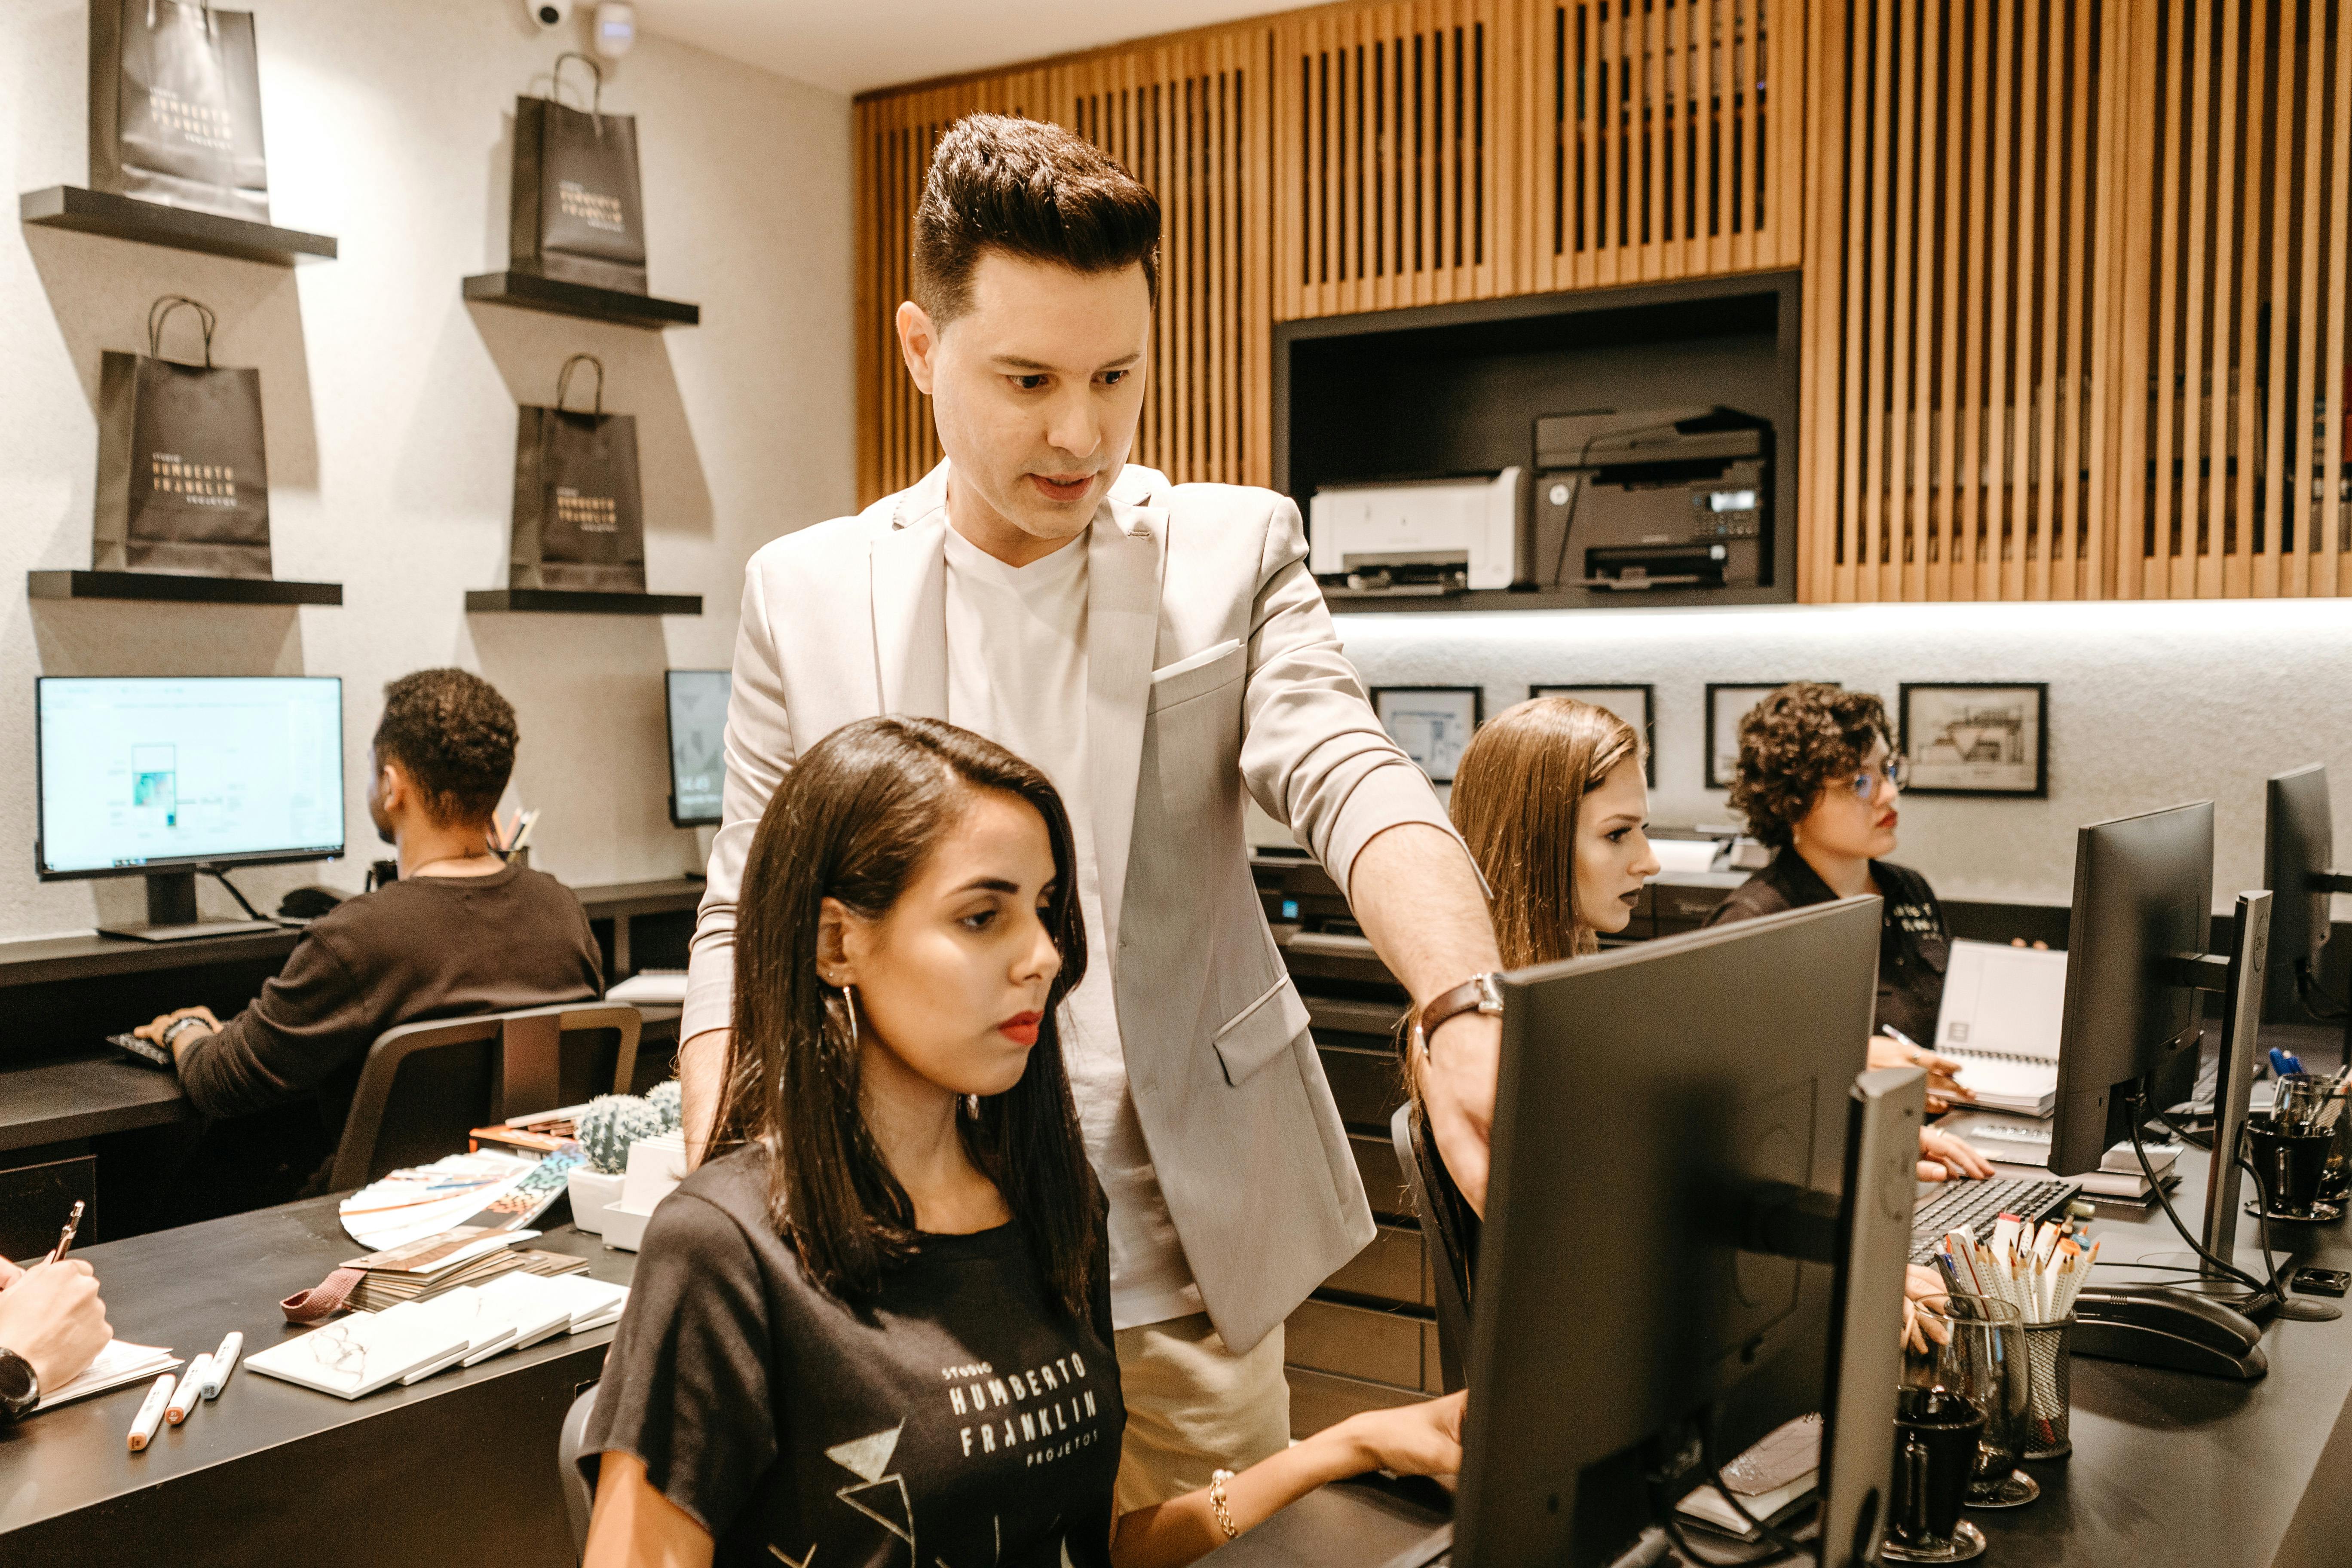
x: 1417, y: 536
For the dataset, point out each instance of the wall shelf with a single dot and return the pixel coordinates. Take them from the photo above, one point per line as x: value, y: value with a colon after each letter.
x: 578, y: 602
x: 532, y: 292
x: 178, y: 589
x: 152, y: 223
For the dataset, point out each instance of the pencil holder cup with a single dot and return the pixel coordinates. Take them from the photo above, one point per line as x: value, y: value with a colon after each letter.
x: 2050, y: 1353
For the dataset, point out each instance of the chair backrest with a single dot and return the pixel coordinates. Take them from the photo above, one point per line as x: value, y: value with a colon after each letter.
x: 579, y: 1491
x: 1445, y: 1221
x: 426, y: 1086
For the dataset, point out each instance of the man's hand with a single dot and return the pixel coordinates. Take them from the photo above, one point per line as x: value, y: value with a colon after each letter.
x: 1944, y: 1085
x: 1417, y: 896
x: 701, y: 1080
x: 52, y: 1317
x: 1457, y: 1089
x: 154, y: 1031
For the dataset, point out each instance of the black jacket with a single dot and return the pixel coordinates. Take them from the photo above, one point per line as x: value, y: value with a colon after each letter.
x: 1914, y: 944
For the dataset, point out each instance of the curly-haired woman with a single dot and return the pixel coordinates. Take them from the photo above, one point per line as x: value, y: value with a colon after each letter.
x: 1818, y: 782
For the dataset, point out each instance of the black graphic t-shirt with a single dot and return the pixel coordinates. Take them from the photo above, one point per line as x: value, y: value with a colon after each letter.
x: 961, y: 1421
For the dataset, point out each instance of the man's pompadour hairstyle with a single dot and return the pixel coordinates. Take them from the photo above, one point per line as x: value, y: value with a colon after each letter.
x: 1032, y: 190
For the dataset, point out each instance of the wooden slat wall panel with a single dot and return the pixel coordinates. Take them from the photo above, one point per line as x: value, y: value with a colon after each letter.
x: 1190, y: 119
x: 1400, y: 130
x: 893, y: 139
x: 2072, y: 284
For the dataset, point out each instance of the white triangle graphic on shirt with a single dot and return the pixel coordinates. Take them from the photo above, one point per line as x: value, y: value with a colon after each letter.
x: 866, y: 1458
x: 779, y: 1553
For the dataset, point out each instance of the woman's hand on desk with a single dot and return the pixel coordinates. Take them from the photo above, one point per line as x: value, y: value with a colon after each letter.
x: 52, y: 1317
x: 1944, y: 1085
x: 1421, y: 1439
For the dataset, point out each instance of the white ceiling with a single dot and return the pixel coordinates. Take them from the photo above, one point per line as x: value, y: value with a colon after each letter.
x: 850, y: 46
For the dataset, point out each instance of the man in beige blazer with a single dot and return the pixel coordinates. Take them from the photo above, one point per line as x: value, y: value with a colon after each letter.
x: 1160, y: 650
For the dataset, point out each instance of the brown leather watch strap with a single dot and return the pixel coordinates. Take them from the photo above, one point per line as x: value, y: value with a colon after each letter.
x: 1479, y: 994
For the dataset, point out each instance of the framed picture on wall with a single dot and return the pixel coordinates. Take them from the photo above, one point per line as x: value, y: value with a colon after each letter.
x: 1726, y: 704
x: 1635, y: 704
x: 1977, y: 737
x: 1432, y: 724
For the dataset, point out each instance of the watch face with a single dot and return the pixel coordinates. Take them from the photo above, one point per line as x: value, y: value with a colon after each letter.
x: 17, y: 1381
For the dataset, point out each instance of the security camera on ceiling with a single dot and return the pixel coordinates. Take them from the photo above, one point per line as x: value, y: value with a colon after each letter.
x: 548, y: 14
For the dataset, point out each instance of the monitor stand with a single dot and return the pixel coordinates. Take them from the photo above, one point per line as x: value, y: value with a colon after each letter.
x: 172, y: 914
x: 2233, y: 1083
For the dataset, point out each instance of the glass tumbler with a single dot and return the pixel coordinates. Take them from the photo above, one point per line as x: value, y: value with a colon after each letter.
x: 1976, y: 1349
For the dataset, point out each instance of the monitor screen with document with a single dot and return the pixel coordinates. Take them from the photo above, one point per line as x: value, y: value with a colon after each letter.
x: 147, y: 773
x: 1728, y: 1257
x: 698, y: 745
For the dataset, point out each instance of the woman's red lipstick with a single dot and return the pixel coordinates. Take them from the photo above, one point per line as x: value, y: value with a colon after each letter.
x: 1020, y: 1028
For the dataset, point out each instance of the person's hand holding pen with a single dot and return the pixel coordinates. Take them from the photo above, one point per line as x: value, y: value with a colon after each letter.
x: 178, y: 1029
x: 1889, y: 1049
x: 51, y: 1315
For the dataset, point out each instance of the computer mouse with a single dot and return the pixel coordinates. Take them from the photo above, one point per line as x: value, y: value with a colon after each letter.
x: 308, y: 903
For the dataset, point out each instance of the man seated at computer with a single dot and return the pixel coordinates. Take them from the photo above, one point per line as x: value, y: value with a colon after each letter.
x: 461, y: 931
x: 52, y: 1325
x: 1819, y: 783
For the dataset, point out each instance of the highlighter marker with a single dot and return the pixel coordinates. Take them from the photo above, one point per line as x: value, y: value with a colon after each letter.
x: 224, y: 1361
x: 191, y: 1389
x: 150, y: 1414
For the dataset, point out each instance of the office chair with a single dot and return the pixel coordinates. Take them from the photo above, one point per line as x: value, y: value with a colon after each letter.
x: 1445, y: 1217
x: 579, y: 1491
x: 424, y: 1086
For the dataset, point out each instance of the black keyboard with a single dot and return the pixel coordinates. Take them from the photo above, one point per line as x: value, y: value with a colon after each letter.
x: 1978, y: 1204
x: 146, y: 1051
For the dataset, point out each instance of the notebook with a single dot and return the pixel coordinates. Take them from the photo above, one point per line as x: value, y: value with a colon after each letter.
x: 364, y: 1352
x: 1774, y: 1480
x: 117, y: 1364
x: 2001, y: 1017
x: 535, y: 1305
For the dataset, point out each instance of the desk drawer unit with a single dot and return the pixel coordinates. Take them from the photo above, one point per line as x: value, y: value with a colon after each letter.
x: 1396, y: 1346
x: 1394, y: 1267
x: 1384, y: 1185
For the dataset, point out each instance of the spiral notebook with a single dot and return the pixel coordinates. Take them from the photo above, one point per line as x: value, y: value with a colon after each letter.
x: 2003, y: 1007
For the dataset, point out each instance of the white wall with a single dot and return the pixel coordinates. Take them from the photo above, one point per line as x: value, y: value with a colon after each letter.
x: 390, y: 403
x: 2149, y: 705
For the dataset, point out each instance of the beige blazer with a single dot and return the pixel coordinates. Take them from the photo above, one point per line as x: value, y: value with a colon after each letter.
x: 1212, y: 668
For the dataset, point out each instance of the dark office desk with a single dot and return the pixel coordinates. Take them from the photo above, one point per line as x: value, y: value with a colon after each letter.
x: 459, y: 1467
x: 54, y: 1099
x: 2167, y: 1467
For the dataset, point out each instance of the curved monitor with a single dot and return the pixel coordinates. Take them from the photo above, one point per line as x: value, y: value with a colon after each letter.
x: 142, y: 775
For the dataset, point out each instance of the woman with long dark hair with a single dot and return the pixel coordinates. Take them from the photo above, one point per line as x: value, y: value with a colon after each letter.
x: 876, y: 1320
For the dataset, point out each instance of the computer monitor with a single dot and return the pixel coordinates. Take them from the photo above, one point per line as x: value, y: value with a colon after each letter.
x: 1696, y: 1207
x: 698, y: 745
x: 2143, y: 897
x: 161, y: 776
x: 2298, y: 867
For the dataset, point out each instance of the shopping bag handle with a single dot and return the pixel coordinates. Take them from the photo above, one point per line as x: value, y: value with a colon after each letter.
x: 161, y: 309
x: 563, y: 382
x: 597, y: 101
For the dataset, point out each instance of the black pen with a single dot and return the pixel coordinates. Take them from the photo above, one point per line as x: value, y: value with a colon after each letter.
x: 65, y: 1236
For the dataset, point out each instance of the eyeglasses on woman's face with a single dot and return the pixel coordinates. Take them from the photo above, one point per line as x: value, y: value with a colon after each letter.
x: 1864, y: 780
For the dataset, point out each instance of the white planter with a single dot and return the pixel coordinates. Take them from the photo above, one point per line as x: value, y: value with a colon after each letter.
x: 626, y: 1228
x: 591, y: 1193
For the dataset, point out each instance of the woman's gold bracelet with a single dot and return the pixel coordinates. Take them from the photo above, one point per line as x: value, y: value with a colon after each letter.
x: 1217, y: 1503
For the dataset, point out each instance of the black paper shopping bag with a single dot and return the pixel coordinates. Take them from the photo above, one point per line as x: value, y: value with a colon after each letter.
x: 182, y: 475
x: 576, y: 212
x: 579, y: 519
x: 175, y: 107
